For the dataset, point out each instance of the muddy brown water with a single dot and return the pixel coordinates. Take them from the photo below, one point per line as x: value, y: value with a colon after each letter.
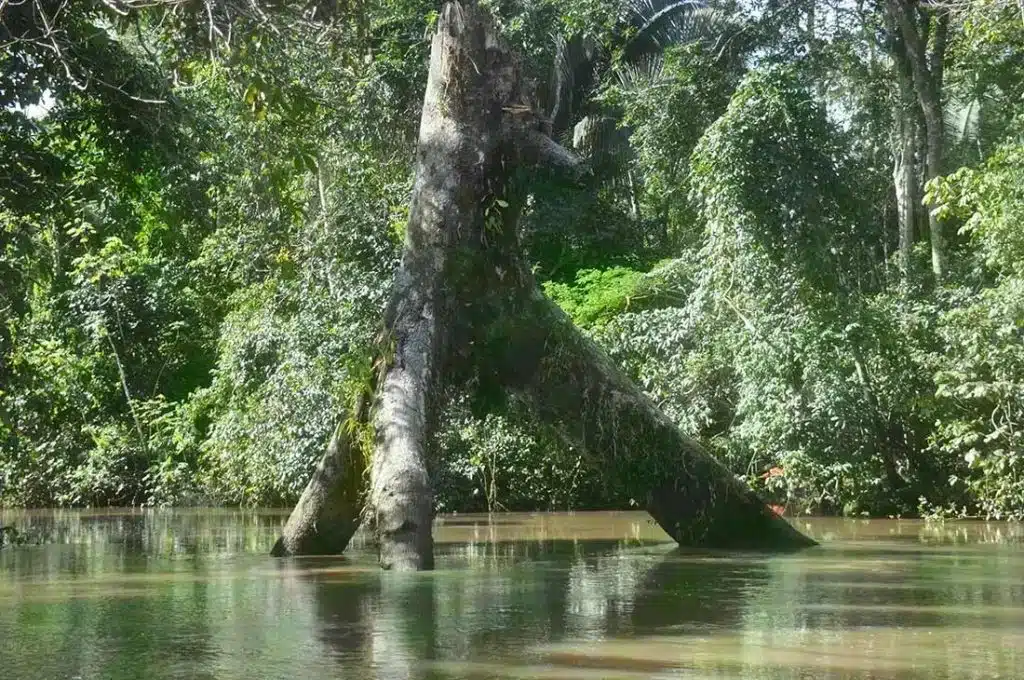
x: 193, y: 594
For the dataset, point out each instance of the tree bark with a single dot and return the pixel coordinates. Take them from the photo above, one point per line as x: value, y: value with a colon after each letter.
x: 906, y: 138
x: 329, y: 510
x: 459, y: 138
x: 935, y: 133
x: 904, y: 177
x: 573, y: 386
x: 462, y: 294
x: 926, y: 67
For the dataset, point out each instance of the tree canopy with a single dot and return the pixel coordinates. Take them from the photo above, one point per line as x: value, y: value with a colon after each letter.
x: 799, y: 232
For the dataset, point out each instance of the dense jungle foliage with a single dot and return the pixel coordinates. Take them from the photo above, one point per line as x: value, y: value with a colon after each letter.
x: 202, y: 203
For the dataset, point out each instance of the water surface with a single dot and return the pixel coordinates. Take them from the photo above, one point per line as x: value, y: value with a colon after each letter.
x: 193, y: 594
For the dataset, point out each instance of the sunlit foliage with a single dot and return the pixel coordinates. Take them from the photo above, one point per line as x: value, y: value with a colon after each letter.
x: 200, y: 216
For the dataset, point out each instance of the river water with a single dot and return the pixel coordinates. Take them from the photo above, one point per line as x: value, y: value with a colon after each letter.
x: 192, y: 594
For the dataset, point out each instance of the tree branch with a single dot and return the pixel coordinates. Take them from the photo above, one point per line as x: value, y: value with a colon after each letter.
x: 938, y: 53
x: 915, y: 49
x: 539, y: 149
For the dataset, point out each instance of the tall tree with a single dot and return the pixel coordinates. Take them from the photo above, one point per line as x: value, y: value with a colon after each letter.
x: 923, y: 32
x: 464, y: 295
x: 906, y: 141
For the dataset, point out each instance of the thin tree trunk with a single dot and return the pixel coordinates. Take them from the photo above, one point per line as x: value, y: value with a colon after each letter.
x: 573, y: 77
x: 904, y: 168
x: 926, y: 67
x: 935, y: 133
x: 123, y: 377
x: 905, y: 182
x: 897, y: 484
x: 811, y: 26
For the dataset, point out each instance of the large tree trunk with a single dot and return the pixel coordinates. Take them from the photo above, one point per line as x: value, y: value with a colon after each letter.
x: 470, y: 81
x: 461, y: 293
x: 571, y: 385
x: 328, y: 513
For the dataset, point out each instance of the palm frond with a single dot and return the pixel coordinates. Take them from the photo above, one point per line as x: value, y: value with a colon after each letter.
x: 641, y: 73
x: 572, y: 75
x: 641, y: 12
x: 962, y: 118
x: 660, y: 24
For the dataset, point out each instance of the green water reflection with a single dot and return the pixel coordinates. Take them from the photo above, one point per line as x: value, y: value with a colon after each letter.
x: 193, y: 594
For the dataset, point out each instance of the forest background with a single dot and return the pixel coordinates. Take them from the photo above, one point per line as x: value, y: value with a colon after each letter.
x: 801, y: 233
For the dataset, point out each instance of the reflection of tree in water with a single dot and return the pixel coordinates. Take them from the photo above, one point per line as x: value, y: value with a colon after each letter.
x: 509, y: 609
x: 86, y: 622
x: 181, y: 531
x: 503, y: 602
x: 345, y: 609
x: 687, y: 591
x: 622, y: 611
x: 127, y: 593
x: 375, y: 624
